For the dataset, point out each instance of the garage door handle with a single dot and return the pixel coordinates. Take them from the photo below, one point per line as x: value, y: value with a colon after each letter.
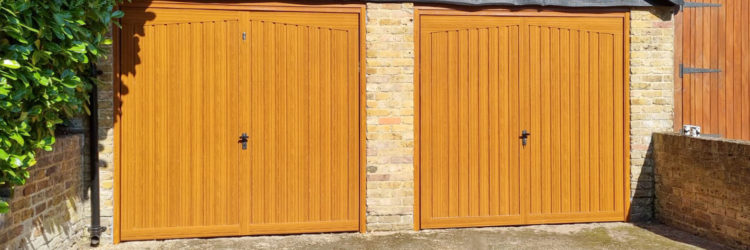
x: 243, y: 140
x: 524, y: 137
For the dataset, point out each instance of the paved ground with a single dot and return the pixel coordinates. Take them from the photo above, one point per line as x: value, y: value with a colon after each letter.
x: 579, y: 236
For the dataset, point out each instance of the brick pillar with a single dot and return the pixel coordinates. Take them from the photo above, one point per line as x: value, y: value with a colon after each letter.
x: 651, y: 98
x: 390, y: 116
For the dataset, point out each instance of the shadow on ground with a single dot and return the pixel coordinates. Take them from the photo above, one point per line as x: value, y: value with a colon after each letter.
x: 578, y: 236
x: 680, y: 236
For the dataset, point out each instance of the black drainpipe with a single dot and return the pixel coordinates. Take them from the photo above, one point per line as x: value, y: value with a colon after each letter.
x: 96, y: 229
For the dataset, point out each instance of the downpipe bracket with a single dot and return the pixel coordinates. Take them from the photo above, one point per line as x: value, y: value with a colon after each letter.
x: 96, y: 233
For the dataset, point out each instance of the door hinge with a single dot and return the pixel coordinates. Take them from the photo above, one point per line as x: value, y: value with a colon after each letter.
x: 685, y: 70
x: 699, y: 5
x: 244, y: 36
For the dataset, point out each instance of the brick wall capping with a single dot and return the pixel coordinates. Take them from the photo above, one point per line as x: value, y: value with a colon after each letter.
x: 668, y: 140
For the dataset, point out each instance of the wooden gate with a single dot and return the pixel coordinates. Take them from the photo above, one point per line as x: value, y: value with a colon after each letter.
x: 712, y: 38
x: 484, y: 80
x: 195, y: 82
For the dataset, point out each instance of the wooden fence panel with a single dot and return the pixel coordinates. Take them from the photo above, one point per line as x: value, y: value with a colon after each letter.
x: 714, y: 37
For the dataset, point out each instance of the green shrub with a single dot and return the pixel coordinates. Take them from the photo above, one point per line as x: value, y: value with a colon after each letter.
x: 46, y: 47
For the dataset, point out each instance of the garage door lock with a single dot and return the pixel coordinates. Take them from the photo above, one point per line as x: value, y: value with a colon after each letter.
x: 243, y: 140
x: 524, y: 137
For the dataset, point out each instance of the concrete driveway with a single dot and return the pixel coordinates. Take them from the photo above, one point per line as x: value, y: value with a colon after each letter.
x: 578, y: 236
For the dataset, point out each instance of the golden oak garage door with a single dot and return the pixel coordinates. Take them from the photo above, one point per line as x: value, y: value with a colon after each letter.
x: 521, y: 120
x: 237, y: 122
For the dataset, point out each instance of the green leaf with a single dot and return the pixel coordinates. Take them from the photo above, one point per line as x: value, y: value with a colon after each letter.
x: 16, y: 162
x: 12, y: 173
x: 39, y: 78
x: 39, y: 56
x: 78, y: 48
x: 10, y: 12
x: 17, y: 138
x: 36, y: 110
x: 13, y: 64
x: 49, y: 140
x: 4, y: 207
x: 4, y: 87
x: 70, y: 83
x: 61, y: 18
x: 3, y: 155
x: 118, y: 14
x: 29, y: 28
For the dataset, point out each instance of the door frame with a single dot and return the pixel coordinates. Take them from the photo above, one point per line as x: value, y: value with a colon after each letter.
x: 678, y: 51
x: 357, y: 8
x: 446, y: 10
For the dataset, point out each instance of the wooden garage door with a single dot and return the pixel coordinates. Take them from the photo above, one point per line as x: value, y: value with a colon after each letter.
x: 573, y: 98
x: 304, y: 122
x: 193, y: 81
x: 468, y: 121
x: 486, y: 79
x: 179, y: 161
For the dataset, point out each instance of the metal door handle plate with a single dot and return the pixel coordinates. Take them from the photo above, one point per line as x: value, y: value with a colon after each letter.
x: 524, y: 137
x: 243, y: 140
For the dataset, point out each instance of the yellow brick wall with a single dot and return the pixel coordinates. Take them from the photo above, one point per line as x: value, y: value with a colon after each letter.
x: 651, y: 98
x: 390, y: 116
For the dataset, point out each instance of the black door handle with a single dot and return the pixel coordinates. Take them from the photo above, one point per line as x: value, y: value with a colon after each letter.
x: 243, y: 140
x: 524, y: 137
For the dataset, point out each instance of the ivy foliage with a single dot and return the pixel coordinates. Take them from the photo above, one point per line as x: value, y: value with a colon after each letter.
x: 46, y: 47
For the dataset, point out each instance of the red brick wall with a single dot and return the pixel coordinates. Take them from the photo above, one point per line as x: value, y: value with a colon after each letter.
x: 46, y: 212
x: 703, y: 186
